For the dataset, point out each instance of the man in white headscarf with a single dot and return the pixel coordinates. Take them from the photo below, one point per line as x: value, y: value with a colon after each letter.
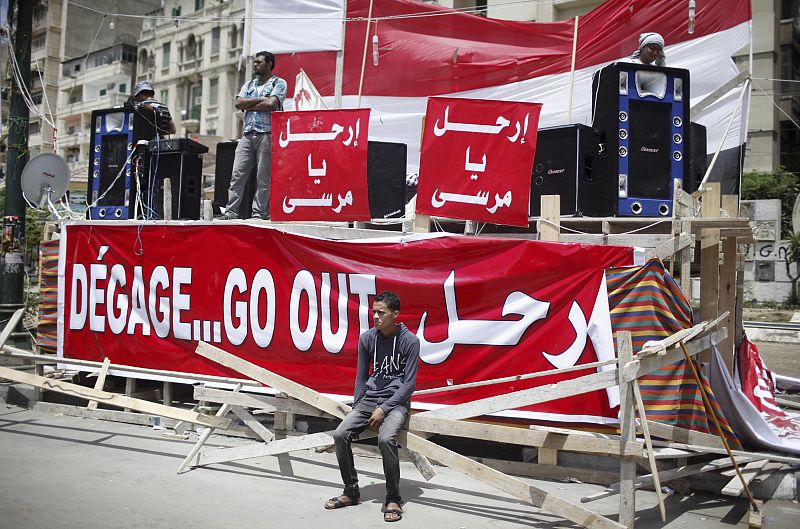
x: 651, y: 50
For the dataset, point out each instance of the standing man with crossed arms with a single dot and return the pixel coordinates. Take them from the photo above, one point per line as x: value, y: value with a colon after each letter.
x: 258, y: 98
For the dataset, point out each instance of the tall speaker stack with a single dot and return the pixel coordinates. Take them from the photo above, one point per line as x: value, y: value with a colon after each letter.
x: 226, y: 151
x: 643, y: 113
x: 109, y: 177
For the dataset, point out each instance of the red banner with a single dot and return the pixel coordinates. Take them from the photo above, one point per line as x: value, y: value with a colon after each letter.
x: 483, y: 308
x: 476, y: 160
x: 319, y: 165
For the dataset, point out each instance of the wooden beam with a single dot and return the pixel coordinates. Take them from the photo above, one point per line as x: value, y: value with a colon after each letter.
x: 550, y: 472
x: 738, y: 453
x: 682, y: 435
x: 513, y: 486
x: 667, y: 475
x: 749, y: 472
x: 266, y: 403
x: 517, y: 488
x: 671, y: 247
x: 113, y: 399
x: 627, y: 467
x: 524, y: 437
x: 252, y: 423
x: 550, y: 220
x: 650, y: 453
x: 100, y: 383
x: 11, y: 324
x: 709, y: 278
x: 274, y: 448
x: 284, y: 385
x: 727, y: 298
x: 645, y: 366
x: 528, y: 397
x: 422, y: 223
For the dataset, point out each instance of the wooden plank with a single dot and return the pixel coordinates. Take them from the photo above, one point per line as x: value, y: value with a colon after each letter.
x: 266, y: 403
x: 547, y: 456
x: 186, y: 464
x: 284, y: 385
x: 667, y: 249
x: 521, y: 436
x: 276, y: 447
x: 709, y: 279
x: 641, y: 367
x: 113, y: 399
x: 755, y: 517
x: 513, y: 486
x: 100, y: 382
x: 422, y: 223
x: 514, y: 378
x: 527, y: 397
x: 737, y: 453
x: 252, y: 423
x: 11, y: 325
x: 682, y: 435
x: 517, y: 488
x: 550, y: 221
x: 749, y: 472
x: 648, y: 441
x: 627, y: 467
x: 727, y: 298
x: 667, y: 475
x: 550, y: 472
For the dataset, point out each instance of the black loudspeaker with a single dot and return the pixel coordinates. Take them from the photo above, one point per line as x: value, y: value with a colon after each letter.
x: 226, y: 151
x: 642, y: 113
x: 698, y: 158
x: 386, y: 179
x: 184, y: 169
x: 109, y: 177
x: 565, y: 157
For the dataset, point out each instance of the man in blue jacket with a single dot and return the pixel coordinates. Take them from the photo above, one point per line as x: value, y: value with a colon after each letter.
x: 388, y: 356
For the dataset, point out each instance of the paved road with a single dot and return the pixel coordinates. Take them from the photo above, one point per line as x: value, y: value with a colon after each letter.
x: 781, y: 357
x: 68, y: 472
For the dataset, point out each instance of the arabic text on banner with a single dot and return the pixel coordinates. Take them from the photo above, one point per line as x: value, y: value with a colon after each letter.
x: 476, y: 160
x: 319, y: 165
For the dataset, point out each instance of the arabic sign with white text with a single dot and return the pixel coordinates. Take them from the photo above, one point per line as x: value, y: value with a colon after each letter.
x: 319, y: 165
x: 483, y: 308
x: 477, y: 159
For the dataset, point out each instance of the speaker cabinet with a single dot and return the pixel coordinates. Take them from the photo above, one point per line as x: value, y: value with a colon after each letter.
x: 698, y: 158
x: 386, y: 179
x: 226, y: 152
x: 642, y: 113
x: 565, y: 158
x: 109, y: 177
x: 184, y: 169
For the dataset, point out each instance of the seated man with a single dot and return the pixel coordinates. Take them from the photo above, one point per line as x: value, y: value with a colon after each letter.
x: 381, y: 401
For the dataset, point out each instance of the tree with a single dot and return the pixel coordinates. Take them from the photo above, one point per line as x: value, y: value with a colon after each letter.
x: 793, y: 256
x: 780, y: 184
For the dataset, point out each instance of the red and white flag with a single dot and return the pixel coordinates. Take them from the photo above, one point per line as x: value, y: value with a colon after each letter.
x: 420, y: 55
x: 306, y: 96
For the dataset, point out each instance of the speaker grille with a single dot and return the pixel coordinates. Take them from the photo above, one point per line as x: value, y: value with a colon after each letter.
x: 650, y: 150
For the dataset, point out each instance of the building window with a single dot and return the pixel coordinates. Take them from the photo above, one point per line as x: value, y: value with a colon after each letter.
x: 199, y: 4
x: 765, y: 271
x: 38, y: 41
x: 213, y: 91
x: 36, y: 97
x: 102, y: 92
x: 234, y: 34
x: 123, y: 87
x: 191, y: 48
x: 789, y: 9
x: 165, y: 49
x: 34, y: 127
x: 215, y: 32
x: 195, y: 101
x: 163, y: 96
x: 176, y: 11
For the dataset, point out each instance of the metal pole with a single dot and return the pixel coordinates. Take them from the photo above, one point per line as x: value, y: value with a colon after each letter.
x: 12, y: 265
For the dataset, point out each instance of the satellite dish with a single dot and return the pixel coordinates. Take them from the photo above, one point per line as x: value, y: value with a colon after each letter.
x: 45, y: 179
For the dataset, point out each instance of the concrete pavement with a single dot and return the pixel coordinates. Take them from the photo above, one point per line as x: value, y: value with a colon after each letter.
x: 61, y: 471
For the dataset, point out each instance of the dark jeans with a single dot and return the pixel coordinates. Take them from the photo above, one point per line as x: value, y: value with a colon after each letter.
x: 351, y: 427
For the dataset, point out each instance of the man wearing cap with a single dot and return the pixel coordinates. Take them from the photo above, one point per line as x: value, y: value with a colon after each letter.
x: 155, y: 115
x: 651, y: 50
x: 258, y: 98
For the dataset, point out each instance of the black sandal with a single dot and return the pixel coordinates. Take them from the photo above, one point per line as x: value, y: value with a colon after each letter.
x: 337, y: 503
x: 398, y: 512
